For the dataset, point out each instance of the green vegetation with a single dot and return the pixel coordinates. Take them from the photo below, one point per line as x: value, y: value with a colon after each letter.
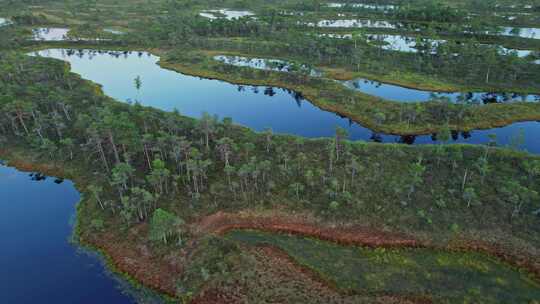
x: 449, y: 277
x: 138, y: 159
x: 164, y: 225
x: 466, y: 62
x: 375, y: 113
x: 149, y: 177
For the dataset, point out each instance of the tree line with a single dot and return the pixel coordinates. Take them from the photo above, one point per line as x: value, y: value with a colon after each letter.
x: 144, y: 160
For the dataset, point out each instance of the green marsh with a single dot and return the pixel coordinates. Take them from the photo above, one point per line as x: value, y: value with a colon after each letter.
x: 452, y: 277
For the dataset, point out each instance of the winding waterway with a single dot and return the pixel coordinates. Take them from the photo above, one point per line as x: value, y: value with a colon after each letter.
x: 36, y: 221
x: 253, y: 106
x: 402, y: 94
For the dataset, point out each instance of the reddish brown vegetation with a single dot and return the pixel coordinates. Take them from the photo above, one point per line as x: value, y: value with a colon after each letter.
x: 139, y: 262
x: 221, y: 223
x: 131, y: 255
x: 214, y: 296
x: 277, y: 277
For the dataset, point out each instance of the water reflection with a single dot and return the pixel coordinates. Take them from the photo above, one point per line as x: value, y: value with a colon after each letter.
x: 225, y: 13
x: 357, y: 23
x: 363, y: 5
x: 37, y: 177
x: 38, y: 261
x: 113, y: 31
x: 257, y: 107
x: 62, y: 34
x: 4, y: 21
x: 402, y: 43
x: 268, y: 64
x: 50, y: 34
x: 402, y: 94
x: 524, y: 32
x: 409, y: 44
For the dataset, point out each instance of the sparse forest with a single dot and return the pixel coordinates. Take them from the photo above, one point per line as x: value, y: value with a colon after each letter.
x: 206, y: 210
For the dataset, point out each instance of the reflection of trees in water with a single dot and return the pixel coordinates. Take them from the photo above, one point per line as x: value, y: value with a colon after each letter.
x: 37, y: 176
x: 82, y: 53
x: 453, y: 134
x: 357, y: 84
x: 267, y: 64
x: 271, y: 91
x: 375, y: 137
x: 412, y: 139
x: 473, y: 98
x: 299, y: 98
x: 407, y: 139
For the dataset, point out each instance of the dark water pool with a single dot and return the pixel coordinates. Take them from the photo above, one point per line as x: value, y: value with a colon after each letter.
x: 38, y: 262
x: 253, y: 106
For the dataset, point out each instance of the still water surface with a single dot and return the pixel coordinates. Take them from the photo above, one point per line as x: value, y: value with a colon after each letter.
x: 50, y: 34
x: 402, y: 94
x: 226, y: 13
x: 252, y: 106
x: 362, y: 5
x: 524, y: 32
x: 39, y: 264
x: 4, y: 21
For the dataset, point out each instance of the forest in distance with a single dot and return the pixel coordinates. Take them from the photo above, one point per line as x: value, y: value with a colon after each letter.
x: 296, y: 151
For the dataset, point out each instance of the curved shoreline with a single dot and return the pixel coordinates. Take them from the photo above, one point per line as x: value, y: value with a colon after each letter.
x: 134, y: 266
x: 337, y: 73
x: 113, y: 259
x: 372, y: 102
x: 518, y: 112
x: 69, y: 170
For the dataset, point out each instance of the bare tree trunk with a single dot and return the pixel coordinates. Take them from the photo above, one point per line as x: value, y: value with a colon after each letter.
x: 103, y: 157
x: 464, y: 179
x: 115, y: 150
x: 21, y: 120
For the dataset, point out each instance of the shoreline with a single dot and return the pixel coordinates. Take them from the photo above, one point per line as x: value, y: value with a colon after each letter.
x: 312, y: 96
x: 364, y: 108
x: 112, y: 260
x: 122, y: 258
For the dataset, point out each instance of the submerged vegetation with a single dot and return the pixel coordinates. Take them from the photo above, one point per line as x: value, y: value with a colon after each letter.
x: 156, y: 184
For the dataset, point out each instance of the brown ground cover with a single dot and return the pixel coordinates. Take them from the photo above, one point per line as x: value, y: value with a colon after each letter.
x: 221, y: 223
x: 135, y: 257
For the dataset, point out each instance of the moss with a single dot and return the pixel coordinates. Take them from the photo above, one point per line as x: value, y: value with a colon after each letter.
x: 447, y: 276
x: 391, y: 162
